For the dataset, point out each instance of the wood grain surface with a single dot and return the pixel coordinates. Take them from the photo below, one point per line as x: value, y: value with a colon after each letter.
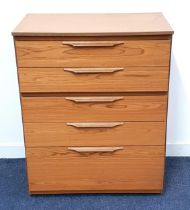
x: 127, y: 80
x: 59, y: 169
x: 94, y: 91
x: 129, y: 108
x: 61, y: 134
x: 56, y: 54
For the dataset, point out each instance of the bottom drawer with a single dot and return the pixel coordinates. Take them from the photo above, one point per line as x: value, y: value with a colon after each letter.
x: 95, y: 169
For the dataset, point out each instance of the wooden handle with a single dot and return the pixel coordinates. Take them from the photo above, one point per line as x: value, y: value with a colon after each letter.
x: 92, y: 70
x: 94, y: 149
x: 94, y: 99
x: 96, y: 124
x: 92, y: 43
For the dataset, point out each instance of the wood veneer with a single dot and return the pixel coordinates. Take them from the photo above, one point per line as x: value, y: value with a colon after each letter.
x: 132, y: 168
x: 61, y: 134
x: 94, y: 101
x: 128, y: 108
x: 56, y: 54
x: 139, y: 79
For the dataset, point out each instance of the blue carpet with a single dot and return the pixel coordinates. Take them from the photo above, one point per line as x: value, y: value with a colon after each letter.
x: 14, y: 195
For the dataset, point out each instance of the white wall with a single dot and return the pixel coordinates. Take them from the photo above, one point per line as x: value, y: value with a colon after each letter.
x: 177, y: 13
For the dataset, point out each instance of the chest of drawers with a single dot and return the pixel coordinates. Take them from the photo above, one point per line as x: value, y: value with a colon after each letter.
x: 94, y: 90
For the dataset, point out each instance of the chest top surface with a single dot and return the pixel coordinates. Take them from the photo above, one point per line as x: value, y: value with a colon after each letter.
x: 93, y: 25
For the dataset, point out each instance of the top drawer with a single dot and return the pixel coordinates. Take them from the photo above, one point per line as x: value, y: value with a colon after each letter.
x: 93, y: 53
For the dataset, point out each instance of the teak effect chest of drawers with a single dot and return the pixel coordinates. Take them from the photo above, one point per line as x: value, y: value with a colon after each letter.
x: 94, y: 90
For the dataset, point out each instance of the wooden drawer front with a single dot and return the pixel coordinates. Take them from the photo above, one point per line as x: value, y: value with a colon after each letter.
x: 63, y: 54
x: 106, y: 79
x: 93, y: 134
x: 109, y: 108
x: 131, y: 168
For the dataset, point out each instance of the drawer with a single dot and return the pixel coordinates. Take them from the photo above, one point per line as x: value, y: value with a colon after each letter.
x: 95, y: 169
x: 93, y: 79
x: 94, y: 108
x: 93, y: 134
x: 93, y: 53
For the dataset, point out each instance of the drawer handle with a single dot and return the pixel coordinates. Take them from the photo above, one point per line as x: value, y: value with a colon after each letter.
x: 93, y: 43
x: 96, y: 124
x: 94, y: 149
x: 94, y: 99
x: 92, y: 70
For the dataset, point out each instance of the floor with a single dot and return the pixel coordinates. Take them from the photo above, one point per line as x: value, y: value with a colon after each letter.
x: 14, y: 195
